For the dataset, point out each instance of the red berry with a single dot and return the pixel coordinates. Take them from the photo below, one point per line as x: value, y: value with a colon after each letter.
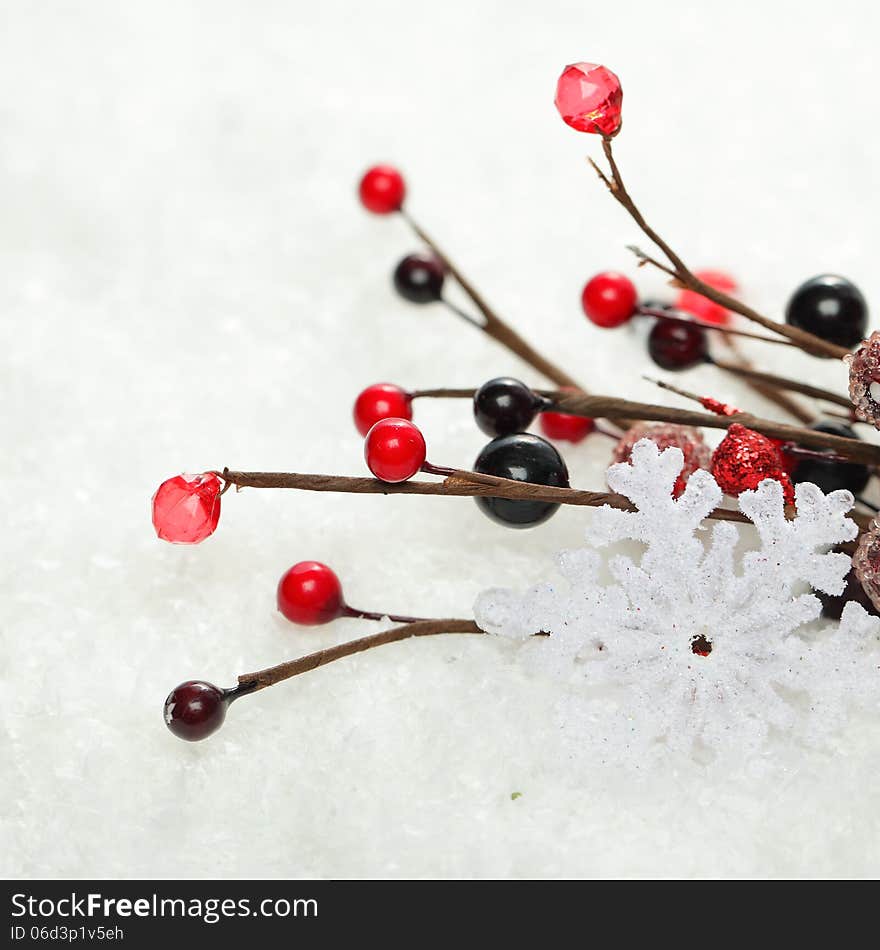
x: 381, y: 401
x: 310, y: 594
x: 382, y: 189
x: 565, y: 428
x: 609, y: 299
x: 589, y: 98
x: 395, y: 450
x: 186, y: 508
x: 195, y: 709
x: 701, y: 307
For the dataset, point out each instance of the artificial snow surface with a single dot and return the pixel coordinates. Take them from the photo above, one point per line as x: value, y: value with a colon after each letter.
x: 187, y: 282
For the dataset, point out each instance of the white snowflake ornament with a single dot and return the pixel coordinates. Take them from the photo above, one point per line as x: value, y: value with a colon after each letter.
x: 690, y: 645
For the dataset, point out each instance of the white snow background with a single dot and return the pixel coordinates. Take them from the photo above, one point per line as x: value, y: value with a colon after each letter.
x: 187, y: 282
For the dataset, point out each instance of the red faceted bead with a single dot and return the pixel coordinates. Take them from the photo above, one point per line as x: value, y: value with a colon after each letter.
x: 589, y: 99
x: 701, y: 307
x: 186, y: 508
x: 563, y: 427
x: 310, y: 594
x: 395, y: 450
x: 382, y: 189
x: 381, y: 401
x: 609, y: 299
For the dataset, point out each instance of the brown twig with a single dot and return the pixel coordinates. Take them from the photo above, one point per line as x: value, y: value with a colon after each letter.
x: 683, y: 275
x: 674, y: 317
x: 251, y: 682
x: 783, y: 382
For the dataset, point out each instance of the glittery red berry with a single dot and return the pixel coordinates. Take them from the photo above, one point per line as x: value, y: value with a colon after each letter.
x: 744, y: 458
x: 381, y: 401
x: 195, y: 709
x: 589, y: 99
x: 186, y: 508
x: 701, y: 307
x: 382, y: 189
x: 609, y: 299
x: 310, y: 593
x: 394, y: 450
x: 565, y: 428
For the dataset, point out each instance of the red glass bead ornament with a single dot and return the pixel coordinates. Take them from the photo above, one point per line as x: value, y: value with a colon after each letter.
x: 381, y: 401
x: 186, y: 508
x: 563, y: 427
x: 382, y: 189
x: 664, y: 434
x: 609, y: 299
x: 195, y: 709
x: 744, y: 458
x: 701, y: 307
x: 394, y: 450
x: 589, y: 99
x: 864, y: 380
x: 310, y: 593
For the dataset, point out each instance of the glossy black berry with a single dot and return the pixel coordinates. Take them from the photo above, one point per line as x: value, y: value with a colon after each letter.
x: 504, y: 406
x: 830, y: 475
x: 830, y: 307
x: 419, y: 278
x: 195, y: 709
x: 673, y: 345
x: 524, y: 458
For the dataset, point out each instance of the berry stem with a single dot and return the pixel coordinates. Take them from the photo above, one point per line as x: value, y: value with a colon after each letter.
x: 252, y: 682
x: 494, y: 325
x: 727, y: 331
x: 782, y: 382
x: 463, y: 314
x: 378, y: 615
x: 680, y: 272
x: 460, y: 484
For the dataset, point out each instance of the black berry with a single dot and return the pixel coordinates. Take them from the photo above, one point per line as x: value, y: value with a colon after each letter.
x: 419, y: 278
x: 504, y: 406
x: 830, y: 475
x: 673, y: 345
x: 195, y: 709
x: 830, y: 307
x: 524, y: 458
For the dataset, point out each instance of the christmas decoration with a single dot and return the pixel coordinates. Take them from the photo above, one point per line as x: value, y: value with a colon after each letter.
x: 691, y: 647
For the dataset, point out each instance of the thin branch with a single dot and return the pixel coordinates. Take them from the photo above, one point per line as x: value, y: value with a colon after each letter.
x: 673, y: 317
x: 808, y: 342
x: 784, y: 382
x: 251, y: 682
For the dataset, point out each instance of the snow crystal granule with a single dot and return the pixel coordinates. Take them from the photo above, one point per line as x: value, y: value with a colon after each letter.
x: 690, y: 646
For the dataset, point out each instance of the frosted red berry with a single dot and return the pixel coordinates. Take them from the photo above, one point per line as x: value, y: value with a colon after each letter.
x: 563, y: 427
x: 394, y: 450
x: 382, y: 189
x: 195, y: 709
x: 310, y: 594
x: 744, y: 458
x: 589, y: 99
x: 381, y: 401
x: 609, y: 299
x: 696, y: 454
x: 186, y: 508
x: 701, y: 307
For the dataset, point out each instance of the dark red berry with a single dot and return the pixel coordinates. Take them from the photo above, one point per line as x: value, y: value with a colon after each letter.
x: 195, y: 709
x: 830, y: 307
x: 673, y: 345
x: 394, y: 450
x: 418, y: 278
x: 382, y: 189
x: 505, y: 405
x: 310, y: 594
x: 609, y: 299
x: 381, y: 401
